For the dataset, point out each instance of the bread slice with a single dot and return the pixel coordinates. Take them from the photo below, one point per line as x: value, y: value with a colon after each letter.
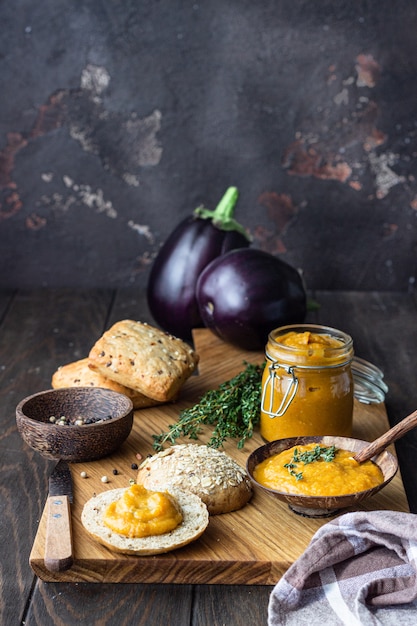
x: 140, y: 356
x: 195, y: 521
x: 79, y: 374
x: 211, y: 474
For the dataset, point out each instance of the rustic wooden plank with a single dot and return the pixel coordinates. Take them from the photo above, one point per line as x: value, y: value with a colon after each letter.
x: 237, y: 548
x: 363, y: 315
x: 74, y: 320
x: 227, y: 605
x: 6, y: 297
x: 213, y: 605
x: 130, y: 303
x: 31, y: 346
x: 64, y: 604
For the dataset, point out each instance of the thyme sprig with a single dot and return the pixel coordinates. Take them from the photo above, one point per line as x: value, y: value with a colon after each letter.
x: 318, y: 453
x: 233, y: 408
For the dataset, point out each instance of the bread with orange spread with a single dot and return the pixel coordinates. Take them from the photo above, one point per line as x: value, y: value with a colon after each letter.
x: 195, y: 522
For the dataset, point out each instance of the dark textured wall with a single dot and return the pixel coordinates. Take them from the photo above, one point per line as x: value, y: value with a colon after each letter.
x: 118, y: 118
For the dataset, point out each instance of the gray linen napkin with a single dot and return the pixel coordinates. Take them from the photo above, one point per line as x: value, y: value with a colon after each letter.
x: 359, y: 569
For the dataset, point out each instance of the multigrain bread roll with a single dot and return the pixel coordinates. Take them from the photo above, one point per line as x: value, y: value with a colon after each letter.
x: 206, y: 472
x: 144, y: 358
x: 79, y: 374
x: 195, y: 521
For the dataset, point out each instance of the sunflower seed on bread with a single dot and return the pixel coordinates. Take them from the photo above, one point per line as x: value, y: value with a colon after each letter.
x: 206, y: 472
x: 144, y: 358
x: 79, y: 374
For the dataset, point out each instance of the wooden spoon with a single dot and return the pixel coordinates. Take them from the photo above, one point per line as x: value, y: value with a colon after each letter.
x: 387, y: 438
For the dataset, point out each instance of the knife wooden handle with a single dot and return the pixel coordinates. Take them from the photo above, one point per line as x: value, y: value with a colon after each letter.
x: 58, y: 542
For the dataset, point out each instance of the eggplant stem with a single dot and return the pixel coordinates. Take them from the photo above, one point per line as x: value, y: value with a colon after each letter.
x: 222, y: 216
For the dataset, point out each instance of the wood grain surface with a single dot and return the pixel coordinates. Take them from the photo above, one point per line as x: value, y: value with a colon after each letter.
x: 41, y: 329
x: 246, y: 547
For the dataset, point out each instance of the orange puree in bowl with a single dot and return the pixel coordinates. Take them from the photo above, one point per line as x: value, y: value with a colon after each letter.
x: 141, y: 513
x: 307, y: 385
x: 332, y: 472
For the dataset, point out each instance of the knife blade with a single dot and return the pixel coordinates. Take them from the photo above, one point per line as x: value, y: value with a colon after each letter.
x: 58, y: 541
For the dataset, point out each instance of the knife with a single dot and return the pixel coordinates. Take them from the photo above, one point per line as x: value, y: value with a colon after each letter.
x: 58, y: 542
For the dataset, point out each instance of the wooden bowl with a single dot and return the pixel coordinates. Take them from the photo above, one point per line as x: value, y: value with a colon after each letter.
x: 321, y: 506
x: 71, y: 442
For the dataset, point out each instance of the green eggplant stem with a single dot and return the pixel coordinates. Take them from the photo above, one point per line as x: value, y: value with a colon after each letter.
x: 222, y: 216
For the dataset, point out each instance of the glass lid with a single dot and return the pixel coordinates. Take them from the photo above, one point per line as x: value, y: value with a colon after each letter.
x: 369, y: 385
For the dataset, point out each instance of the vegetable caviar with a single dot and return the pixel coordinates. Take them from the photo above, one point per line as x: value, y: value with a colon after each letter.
x: 233, y: 407
x: 307, y: 383
x: 315, y: 470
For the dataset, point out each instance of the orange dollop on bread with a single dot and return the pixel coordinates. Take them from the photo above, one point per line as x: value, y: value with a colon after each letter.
x: 140, y: 512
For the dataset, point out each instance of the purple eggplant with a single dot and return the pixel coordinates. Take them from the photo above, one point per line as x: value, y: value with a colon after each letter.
x: 245, y: 294
x: 195, y: 242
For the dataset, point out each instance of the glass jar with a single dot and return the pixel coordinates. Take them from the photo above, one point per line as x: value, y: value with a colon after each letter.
x: 307, y: 384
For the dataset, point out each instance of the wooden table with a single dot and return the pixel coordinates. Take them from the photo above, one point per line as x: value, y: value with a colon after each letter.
x: 40, y: 330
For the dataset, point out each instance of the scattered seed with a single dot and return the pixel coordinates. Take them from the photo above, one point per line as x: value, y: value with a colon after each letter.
x: 134, y: 466
x: 115, y: 472
x: 104, y: 479
x: 78, y: 420
x: 83, y: 474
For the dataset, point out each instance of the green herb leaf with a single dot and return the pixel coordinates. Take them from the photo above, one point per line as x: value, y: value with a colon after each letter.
x: 318, y: 453
x: 234, y: 409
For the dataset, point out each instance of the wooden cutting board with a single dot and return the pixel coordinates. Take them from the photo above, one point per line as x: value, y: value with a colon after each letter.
x: 255, y: 545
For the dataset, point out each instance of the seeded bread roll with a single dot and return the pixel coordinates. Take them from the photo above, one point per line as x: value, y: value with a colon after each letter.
x: 195, y: 521
x: 79, y: 374
x: 206, y: 472
x: 137, y: 355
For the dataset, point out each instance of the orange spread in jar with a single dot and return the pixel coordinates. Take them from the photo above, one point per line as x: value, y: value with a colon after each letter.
x: 325, y: 475
x: 310, y: 344
x: 307, y: 383
x: 141, y: 513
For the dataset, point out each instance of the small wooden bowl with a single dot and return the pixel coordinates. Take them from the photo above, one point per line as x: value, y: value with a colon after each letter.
x: 74, y: 443
x: 321, y: 506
